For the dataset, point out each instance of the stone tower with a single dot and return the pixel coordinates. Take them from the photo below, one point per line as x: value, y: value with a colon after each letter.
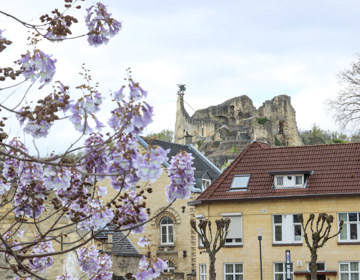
x: 222, y: 131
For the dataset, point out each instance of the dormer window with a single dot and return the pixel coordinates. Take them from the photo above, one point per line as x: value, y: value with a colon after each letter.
x: 240, y: 182
x: 290, y: 179
x: 205, y: 183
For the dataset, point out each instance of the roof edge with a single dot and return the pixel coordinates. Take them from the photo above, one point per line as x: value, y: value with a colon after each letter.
x: 204, y: 201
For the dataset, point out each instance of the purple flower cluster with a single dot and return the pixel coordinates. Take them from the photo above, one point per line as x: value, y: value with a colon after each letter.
x: 131, y: 116
x: 37, y: 65
x: 97, y: 266
x: 181, y: 175
x: 84, y: 109
x: 41, y: 264
x: 96, y: 158
x: 148, y: 166
x: 66, y: 276
x: 100, y: 24
x: 150, y: 269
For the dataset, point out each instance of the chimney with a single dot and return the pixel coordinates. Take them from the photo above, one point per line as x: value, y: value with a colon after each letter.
x: 188, y: 138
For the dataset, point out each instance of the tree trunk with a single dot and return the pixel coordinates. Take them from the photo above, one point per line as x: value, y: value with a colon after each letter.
x: 313, y: 265
x: 212, y: 267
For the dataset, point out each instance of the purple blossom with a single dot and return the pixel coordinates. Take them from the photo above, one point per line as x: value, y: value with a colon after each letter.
x: 149, y: 270
x: 95, y: 265
x: 143, y: 242
x: 149, y: 165
x: 181, y: 175
x: 100, y: 24
x: 38, y: 65
x: 42, y: 263
x: 85, y: 109
x: 66, y: 277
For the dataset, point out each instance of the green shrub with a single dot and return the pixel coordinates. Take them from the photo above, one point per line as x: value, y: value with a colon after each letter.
x: 262, y: 120
x: 277, y: 142
x: 339, y: 141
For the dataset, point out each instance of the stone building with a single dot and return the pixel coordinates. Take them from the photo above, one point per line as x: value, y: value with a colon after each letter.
x: 168, y: 230
x: 222, y: 131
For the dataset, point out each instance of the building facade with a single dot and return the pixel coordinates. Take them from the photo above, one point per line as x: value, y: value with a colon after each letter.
x: 263, y: 191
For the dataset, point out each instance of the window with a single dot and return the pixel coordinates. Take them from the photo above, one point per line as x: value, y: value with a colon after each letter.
x: 170, y: 268
x: 280, y: 271
x: 350, y: 230
x: 205, y: 183
x: 320, y: 266
x: 289, y: 181
x: 349, y: 271
x: 167, y: 229
x: 233, y: 271
x: 234, y: 236
x: 240, y: 182
x: 202, y: 271
x: 287, y: 229
x: 199, y: 218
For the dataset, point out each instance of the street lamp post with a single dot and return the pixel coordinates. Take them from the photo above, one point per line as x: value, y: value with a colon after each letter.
x: 260, y: 238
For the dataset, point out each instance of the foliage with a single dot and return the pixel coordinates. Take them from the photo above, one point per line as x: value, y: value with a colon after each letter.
x: 212, y: 244
x: 277, y: 142
x: 318, y: 235
x: 225, y: 165
x: 164, y: 135
x: 263, y: 120
x: 329, y: 137
x: 235, y: 150
x: 45, y: 201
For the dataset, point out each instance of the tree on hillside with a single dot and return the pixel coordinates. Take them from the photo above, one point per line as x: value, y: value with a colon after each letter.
x: 316, y: 234
x: 55, y: 205
x: 346, y: 106
x: 164, y: 135
x: 212, y: 244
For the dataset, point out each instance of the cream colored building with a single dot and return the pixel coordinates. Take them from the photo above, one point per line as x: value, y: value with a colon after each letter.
x: 169, y: 228
x: 263, y: 191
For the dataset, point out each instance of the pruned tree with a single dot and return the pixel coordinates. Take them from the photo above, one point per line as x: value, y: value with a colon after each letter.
x: 212, y: 244
x: 56, y: 204
x: 347, y: 104
x: 316, y: 234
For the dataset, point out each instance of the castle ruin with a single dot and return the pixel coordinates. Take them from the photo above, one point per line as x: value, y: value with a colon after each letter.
x: 222, y: 131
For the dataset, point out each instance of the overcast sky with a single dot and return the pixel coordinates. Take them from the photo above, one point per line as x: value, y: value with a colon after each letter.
x: 219, y: 49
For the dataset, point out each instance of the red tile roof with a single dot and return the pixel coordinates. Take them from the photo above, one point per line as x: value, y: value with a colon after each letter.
x: 336, y: 170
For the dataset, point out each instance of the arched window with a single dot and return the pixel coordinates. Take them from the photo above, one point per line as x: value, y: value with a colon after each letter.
x: 170, y: 268
x: 167, y: 231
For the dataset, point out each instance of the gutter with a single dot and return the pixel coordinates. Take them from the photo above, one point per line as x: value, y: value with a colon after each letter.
x: 204, y: 201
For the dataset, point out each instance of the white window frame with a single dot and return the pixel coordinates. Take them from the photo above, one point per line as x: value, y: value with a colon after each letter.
x: 288, y: 229
x: 202, y: 269
x: 345, y: 234
x: 169, y: 232
x: 233, y: 273
x: 237, y: 226
x: 170, y: 268
x: 240, y: 182
x: 289, y: 183
x: 205, y: 183
x: 348, y: 272
x: 199, y: 218
x: 283, y: 272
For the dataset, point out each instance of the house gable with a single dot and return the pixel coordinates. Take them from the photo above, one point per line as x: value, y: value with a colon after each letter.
x: 325, y: 169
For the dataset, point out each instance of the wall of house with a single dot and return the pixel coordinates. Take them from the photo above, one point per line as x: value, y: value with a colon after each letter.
x: 183, y: 252
x: 258, y: 213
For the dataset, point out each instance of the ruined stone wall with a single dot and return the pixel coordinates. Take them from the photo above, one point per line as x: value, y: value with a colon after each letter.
x: 222, y: 131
